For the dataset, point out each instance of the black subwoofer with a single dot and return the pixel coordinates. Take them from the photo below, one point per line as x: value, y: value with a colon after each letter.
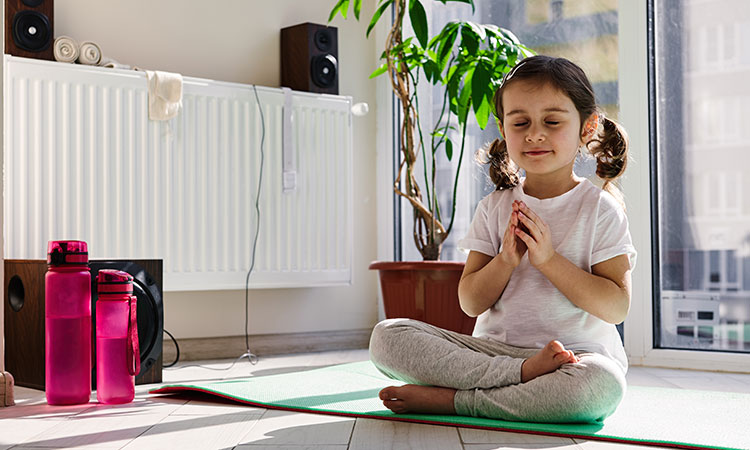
x: 24, y: 317
x: 309, y: 58
x: 147, y: 282
x: 29, y: 28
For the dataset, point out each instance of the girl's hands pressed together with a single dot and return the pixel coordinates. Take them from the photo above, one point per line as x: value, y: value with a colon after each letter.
x: 537, y: 235
x: 513, y: 247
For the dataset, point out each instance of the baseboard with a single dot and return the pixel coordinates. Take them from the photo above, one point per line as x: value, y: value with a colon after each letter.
x: 6, y: 390
x: 194, y: 349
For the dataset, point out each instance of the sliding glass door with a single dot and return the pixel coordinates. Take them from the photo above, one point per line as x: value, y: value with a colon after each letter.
x: 702, y: 175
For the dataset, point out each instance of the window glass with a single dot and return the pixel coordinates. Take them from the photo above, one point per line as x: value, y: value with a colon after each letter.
x: 703, y: 299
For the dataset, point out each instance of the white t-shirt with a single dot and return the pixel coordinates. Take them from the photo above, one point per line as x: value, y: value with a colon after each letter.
x: 588, y: 226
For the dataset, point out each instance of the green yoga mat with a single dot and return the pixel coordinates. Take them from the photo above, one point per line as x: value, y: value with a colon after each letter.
x: 647, y: 416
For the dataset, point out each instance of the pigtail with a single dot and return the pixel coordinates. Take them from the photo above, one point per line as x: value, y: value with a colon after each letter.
x: 503, y: 172
x: 610, y: 148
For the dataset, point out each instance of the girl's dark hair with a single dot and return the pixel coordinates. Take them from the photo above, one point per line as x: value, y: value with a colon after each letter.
x: 609, y: 146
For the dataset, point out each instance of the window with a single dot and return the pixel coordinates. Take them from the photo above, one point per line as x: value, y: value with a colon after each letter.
x: 584, y: 31
x: 702, y: 299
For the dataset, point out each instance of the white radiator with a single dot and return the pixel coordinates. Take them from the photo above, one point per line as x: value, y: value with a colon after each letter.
x: 83, y: 161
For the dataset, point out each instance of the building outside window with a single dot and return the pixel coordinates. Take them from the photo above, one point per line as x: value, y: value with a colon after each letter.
x: 703, y: 210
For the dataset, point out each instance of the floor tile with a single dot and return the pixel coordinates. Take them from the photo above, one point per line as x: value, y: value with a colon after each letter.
x: 570, y: 446
x: 215, y: 431
x: 637, y: 376
x: 603, y: 445
x: 287, y: 428
x: 373, y: 434
x: 477, y: 436
x: 289, y: 447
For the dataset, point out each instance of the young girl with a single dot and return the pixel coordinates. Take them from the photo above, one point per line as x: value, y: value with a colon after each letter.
x: 548, y: 273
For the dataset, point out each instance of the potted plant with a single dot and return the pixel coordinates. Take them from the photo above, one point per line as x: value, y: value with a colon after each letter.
x: 468, y: 61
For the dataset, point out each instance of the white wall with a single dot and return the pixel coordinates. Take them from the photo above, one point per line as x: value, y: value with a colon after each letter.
x: 238, y: 40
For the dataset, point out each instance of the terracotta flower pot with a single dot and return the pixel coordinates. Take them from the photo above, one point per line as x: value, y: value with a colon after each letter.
x: 425, y: 291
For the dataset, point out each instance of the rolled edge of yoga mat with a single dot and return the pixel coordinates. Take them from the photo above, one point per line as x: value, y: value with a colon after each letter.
x: 90, y: 54
x: 65, y: 49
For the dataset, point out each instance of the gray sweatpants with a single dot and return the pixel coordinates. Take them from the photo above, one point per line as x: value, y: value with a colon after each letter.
x: 487, y: 375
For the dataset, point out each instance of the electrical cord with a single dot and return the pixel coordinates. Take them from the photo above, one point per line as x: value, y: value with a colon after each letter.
x: 177, y: 347
x: 251, y: 357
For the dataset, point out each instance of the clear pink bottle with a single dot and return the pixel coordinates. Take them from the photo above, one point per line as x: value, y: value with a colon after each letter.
x: 117, y: 354
x: 67, y: 323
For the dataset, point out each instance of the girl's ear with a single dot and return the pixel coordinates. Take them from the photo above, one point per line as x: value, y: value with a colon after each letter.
x: 501, y: 129
x: 590, y: 127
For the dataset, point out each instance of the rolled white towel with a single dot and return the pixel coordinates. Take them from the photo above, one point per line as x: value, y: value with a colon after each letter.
x: 112, y: 64
x: 65, y: 49
x: 90, y: 54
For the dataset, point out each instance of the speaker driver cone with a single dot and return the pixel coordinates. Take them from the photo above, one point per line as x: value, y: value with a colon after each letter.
x: 31, y: 31
x: 323, y: 40
x: 323, y: 70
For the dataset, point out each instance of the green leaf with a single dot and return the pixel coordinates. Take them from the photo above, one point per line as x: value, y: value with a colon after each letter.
x: 470, y: 2
x: 509, y: 36
x: 418, y: 21
x: 482, y: 113
x: 445, y: 47
x: 464, y: 98
x: 431, y: 70
x: 480, y: 84
x: 478, y: 29
x: 469, y: 40
x: 379, y: 71
x: 341, y: 7
x: 454, y: 76
x: 357, y: 8
x: 449, y: 149
x: 376, y: 16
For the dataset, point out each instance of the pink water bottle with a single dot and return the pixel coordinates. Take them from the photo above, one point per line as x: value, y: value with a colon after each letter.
x: 67, y: 323
x: 118, y: 358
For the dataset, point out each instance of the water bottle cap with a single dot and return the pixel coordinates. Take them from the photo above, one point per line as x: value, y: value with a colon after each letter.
x: 67, y: 253
x: 111, y: 281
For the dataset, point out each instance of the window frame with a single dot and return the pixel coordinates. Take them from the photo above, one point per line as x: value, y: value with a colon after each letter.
x: 637, y: 114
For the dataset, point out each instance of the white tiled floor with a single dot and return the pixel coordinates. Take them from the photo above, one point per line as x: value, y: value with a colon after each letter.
x: 179, y: 422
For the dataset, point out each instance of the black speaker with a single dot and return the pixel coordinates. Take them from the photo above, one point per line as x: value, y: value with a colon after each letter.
x: 147, y: 282
x: 29, y: 28
x: 309, y: 58
x: 24, y: 317
x: 24, y: 321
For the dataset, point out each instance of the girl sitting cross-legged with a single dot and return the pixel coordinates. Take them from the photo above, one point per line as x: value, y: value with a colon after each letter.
x: 548, y: 272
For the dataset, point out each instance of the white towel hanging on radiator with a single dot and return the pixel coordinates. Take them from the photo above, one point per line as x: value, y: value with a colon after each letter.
x: 164, y: 94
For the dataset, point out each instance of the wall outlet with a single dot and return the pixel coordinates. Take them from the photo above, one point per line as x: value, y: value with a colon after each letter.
x: 6, y: 389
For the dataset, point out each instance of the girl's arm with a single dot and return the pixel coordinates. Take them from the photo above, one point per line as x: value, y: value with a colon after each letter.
x: 485, y: 277
x: 604, y: 293
x: 482, y: 282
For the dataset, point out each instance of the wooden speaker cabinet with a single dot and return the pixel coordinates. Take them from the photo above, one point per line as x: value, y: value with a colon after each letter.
x: 24, y: 317
x: 309, y: 58
x: 29, y: 30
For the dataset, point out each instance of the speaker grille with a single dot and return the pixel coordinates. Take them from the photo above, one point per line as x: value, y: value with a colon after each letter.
x: 323, y: 40
x: 323, y: 70
x: 31, y: 31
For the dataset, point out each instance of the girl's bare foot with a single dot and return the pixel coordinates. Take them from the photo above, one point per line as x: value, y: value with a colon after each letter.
x: 412, y: 398
x: 549, y: 359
